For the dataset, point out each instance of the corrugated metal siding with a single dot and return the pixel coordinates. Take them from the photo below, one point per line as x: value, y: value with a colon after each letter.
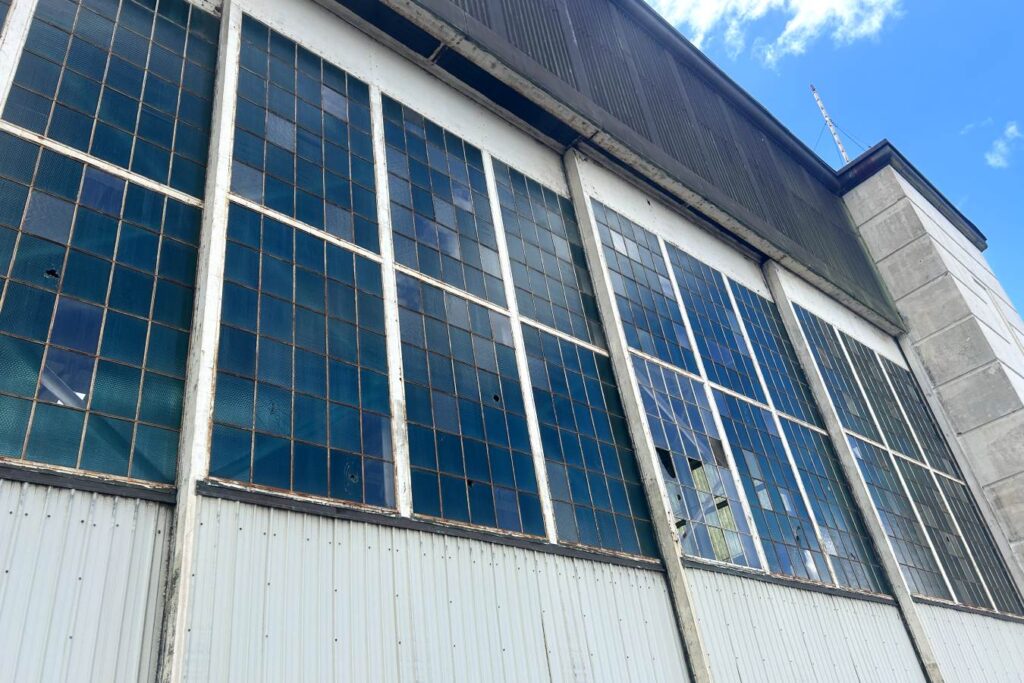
x: 286, y: 596
x: 757, y: 631
x: 973, y: 647
x: 81, y: 586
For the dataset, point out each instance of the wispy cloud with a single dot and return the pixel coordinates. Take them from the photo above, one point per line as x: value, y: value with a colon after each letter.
x: 998, y: 155
x: 806, y: 20
x: 984, y: 123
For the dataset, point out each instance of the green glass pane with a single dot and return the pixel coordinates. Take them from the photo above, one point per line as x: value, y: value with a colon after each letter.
x: 108, y: 443
x: 56, y: 432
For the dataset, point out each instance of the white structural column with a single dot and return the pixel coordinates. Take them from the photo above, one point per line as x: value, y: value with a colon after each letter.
x: 15, y: 31
x: 194, y: 447
x: 887, y: 447
x: 778, y: 426
x: 525, y: 381
x: 709, y: 395
x: 392, y: 331
x: 858, y: 488
x: 643, y: 443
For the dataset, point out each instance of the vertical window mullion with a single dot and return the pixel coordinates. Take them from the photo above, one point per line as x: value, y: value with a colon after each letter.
x: 392, y: 331
x: 525, y: 381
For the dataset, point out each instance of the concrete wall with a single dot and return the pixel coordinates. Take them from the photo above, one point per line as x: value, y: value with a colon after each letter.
x: 81, y: 584
x: 288, y: 596
x: 757, y: 631
x: 962, y: 327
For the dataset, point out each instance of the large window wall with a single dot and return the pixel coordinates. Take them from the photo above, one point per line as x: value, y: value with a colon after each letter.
x: 102, y: 170
x: 302, y: 398
x: 933, y: 525
x: 513, y: 420
x: 752, y: 477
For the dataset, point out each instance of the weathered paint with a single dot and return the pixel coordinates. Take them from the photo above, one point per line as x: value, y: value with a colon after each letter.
x: 81, y: 584
x: 974, y: 647
x: 286, y: 596
x: 759, y: 631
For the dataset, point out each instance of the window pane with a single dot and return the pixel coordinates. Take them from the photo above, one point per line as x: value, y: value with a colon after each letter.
x: 549, y: 268
x: 646, y: 301
x: 694, y: 466
x: 774, y: 350
x: 982, y: 546
x: 469, y: 445
x: 76, y: 331
x: 590, y: 461
x: 839, y: 378
x: 842, y: 530
x: 781, y: 518
x: 936, y: 450
x: 716, y: 327
x: 894, y: 427
x: 905, y: 533
x: 302, y: 138
x: 319, y: 405
x: 161, y: 130
x: 440, y: 210
x: 948, y: 544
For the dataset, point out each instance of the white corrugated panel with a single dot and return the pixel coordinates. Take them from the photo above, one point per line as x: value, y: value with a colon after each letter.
x: 973, y: 647
x: 81, y: 584
x: 759, y: 631
x: 287, y: 596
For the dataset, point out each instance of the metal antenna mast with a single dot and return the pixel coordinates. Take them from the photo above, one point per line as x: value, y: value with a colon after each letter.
x: 831, y: 126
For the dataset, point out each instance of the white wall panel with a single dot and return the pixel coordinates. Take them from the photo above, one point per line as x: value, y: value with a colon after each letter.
x: 758, y: 631
x: 974, y: 647
x: 81, y: 584
x: 288, y: 596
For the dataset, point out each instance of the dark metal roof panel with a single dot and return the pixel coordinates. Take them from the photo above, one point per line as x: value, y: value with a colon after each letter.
x: 620, y: 67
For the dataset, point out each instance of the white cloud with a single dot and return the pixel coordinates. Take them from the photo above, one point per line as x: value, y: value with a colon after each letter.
x: 806, y: 20
x: 984, y: 123
x: 998, y: 155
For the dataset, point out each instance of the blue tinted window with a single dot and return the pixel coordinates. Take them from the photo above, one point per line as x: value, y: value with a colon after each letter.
x: 694, y: 466
x: 549, y: 268
x: 904, y: 531
x: 716, y: 326
x: 302, y: 400
x: 774, y: 351
x: 952, y: 551
x: 440, y: 211
x: 135, y: 85
x: 5, y: 6
x: 302, y: 137
x: 936, y: 450
x: 468, y: 440
x: 983, y: 547
x: 94, y: 338
x: 887, y: 411
x: 781, y: 518
x: 842, y: 531
x: 838, y: 375
x: 592, y: 471
x: 647, y: 304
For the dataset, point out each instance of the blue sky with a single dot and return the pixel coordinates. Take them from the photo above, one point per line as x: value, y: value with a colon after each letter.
x: 942, y: 80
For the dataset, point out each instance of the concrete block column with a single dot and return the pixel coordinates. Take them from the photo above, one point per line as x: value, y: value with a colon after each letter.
x: 964, y: 340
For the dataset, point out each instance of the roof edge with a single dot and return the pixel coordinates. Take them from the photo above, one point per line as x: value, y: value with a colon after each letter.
x: 885, y: 154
